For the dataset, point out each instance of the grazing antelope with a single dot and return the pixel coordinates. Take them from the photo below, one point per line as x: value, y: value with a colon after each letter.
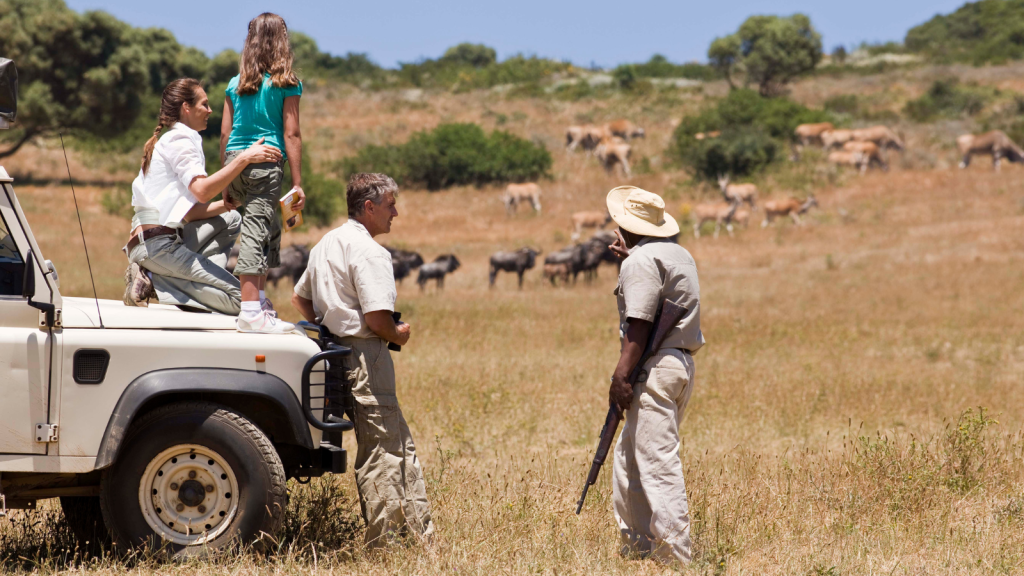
x: 995, y: 143
x: 835, y: 138
x: 858, y: 160
x: 883, y: 136
x: 519, y: 193
x: 720, y: 212
x: 811, y: 133
x: 791, y: 207
x: 869, y: 149
x: 738, y: 192
x: 742, y: 217
x: 586, y: 136
x: 614, y: 150
x: 624, y: 129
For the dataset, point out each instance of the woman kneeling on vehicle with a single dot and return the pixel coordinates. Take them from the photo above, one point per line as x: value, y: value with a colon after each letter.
x: 180, y: 240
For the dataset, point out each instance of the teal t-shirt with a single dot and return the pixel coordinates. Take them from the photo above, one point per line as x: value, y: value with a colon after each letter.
x: 259, y: 115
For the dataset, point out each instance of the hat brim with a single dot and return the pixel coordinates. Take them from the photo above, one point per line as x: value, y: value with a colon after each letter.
x: 616, y: 201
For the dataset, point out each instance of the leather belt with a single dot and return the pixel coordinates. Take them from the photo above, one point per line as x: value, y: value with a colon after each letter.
x: 149, y: 234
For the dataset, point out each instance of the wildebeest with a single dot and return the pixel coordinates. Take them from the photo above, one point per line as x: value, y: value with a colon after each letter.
x: 791, y: 207
x: 436, y: 270
x: 571, y: 256
x: 738, y: 192
x: 720, y: 213
x: 294, y: 260
x: 625, y: 129
x: 836, y: 138
x: 403, y: 262
x: 519, y: 262
x: 995, y: 143
x: 811, y: 133
x: 516, y: 194
x: 858, y: 160
x: 612, y: 151
x: 869, y: 149
x: 883, y: 136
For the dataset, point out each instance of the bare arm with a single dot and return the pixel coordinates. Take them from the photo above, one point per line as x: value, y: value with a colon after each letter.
x: 202, y: 211
x: 204, y: 188
x: 227, y: 122
x: 383, y: 324
x: 293, y: 145
x: 633, y: 344
x: 305, y: 307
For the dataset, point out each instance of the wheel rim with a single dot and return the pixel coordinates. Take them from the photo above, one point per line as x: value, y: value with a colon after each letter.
x: 188, y: 494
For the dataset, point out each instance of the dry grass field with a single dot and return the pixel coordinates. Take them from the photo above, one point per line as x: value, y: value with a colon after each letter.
x: 858, y: 406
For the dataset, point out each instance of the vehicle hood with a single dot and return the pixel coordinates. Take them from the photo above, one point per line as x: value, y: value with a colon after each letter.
x: 81, y: 313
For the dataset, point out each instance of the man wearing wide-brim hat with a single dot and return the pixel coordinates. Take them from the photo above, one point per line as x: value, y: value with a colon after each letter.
x: 649, y: 495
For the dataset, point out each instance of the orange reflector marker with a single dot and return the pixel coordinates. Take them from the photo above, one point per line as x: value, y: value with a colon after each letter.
x: 261, y: 358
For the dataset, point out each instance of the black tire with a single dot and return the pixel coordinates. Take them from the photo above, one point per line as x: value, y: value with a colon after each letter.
x: 246, y: 453
x: 85, y: 518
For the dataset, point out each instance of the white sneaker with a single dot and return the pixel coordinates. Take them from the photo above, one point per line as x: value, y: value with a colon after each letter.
x: 264, y: 323
x: 267, y: 307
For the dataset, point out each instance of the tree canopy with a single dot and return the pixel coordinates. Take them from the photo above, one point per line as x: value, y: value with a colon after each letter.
x: 771, y: 50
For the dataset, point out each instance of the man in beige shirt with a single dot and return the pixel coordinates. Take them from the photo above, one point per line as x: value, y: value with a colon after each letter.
x: 648, y: 491
x: 349, y: 287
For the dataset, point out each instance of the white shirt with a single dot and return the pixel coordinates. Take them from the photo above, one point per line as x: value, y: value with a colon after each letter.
x: 349, y: 275
x: 178, y: 159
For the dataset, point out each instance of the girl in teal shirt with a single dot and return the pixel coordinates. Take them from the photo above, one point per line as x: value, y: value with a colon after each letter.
x: 262, y: 102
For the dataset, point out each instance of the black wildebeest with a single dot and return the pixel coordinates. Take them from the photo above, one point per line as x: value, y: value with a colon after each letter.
x: 519, y: 262
x: 436, y: 270
x: 403, y: 262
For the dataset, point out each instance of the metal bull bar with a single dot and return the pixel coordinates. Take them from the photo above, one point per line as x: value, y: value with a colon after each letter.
x: 336, y: 391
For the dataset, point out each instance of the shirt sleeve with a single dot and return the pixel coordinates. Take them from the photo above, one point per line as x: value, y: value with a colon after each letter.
x: 374, y: 281
x: 641, y: 287
x: 185, y: 158
x: 303, y: 287
x: 293, y: 90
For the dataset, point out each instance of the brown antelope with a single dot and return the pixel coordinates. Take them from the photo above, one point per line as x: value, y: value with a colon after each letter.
x: 858, y: 160
x: 995, y: 143
x: 614, y: 150
x: 742, y: 217
x: 835, y: 138
x: 791, y: 207
x: 883, y: 136
x: 811, y: 133
x: 589, y: 219
x: 520, y: 193
x: 624, y: 129
x: 738, y: 192
x: 720, y: 212
x: 869, y: 149
x: 587, y: 137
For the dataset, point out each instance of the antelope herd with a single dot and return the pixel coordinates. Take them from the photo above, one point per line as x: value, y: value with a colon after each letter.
x: 609, y: 143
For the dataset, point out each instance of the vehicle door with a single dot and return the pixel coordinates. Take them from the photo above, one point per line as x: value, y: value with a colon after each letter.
x: 25, y: 342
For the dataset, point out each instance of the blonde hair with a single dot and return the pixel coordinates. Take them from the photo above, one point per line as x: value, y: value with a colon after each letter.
x: 266, y: 50
x: 175, y: 95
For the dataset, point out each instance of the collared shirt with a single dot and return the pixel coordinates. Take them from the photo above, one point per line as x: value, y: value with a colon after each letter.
x: 178, y: 159
x: 658, y: 269
x: 349, y: 275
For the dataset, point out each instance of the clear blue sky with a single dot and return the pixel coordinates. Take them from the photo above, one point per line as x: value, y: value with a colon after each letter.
x: 604, y: 32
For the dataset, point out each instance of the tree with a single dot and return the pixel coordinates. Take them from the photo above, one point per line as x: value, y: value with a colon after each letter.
x: 771, y: 49
x: 475, y: 55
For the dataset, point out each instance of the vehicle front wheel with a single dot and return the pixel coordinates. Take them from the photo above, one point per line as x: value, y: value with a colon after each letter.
x: 193, y: 477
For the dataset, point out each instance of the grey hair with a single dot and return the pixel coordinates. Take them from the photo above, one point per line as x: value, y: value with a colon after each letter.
x: 368, y: 186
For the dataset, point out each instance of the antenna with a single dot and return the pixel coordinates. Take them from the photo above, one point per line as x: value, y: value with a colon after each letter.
x: 81, y: 228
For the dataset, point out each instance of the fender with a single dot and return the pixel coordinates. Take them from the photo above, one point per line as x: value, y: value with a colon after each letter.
x: 200, y: 383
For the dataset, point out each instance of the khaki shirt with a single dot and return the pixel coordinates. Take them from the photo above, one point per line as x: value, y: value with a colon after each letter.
x: 657, y: 269
x: 349, y: 275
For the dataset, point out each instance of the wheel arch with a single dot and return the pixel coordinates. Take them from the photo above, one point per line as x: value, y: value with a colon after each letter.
x: 263, y: 398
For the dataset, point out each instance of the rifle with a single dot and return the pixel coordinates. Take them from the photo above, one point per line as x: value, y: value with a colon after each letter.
x: 669, y: 314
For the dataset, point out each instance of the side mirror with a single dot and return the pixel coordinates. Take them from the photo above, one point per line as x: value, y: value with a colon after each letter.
x: 28, y: 284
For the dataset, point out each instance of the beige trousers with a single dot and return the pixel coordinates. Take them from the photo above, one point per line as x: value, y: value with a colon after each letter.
x: 648, y: 491
x: 392, y: 494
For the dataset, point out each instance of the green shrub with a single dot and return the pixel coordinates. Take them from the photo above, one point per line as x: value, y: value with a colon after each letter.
x: 454, y: 154
x: 989, y: 31
x: 659, y: 67
x: 948, y: 99
x: 325, y: 196
x: 843, y: 104
x: 754, y: 130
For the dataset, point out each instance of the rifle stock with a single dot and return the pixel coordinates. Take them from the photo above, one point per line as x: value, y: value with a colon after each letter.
x: 669, y: 314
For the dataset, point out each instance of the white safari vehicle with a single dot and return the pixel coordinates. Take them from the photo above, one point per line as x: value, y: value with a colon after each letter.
x: 154, y: 427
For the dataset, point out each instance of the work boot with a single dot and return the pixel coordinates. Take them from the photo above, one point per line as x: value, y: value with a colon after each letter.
x: 137, y: 286
x: 263, y: 323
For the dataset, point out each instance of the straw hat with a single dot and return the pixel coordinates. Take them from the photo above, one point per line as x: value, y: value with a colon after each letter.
x: 641, y: 212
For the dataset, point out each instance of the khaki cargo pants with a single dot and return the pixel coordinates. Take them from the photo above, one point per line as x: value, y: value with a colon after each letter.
x: 392, y: 494
x: 258, y: 190
x: 648, y: 491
